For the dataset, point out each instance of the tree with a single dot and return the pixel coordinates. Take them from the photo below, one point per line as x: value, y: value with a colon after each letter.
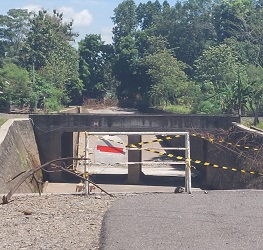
x: 96, y: 67
x: 48, y: 49
x: 248, y: 31
x: 147, y: 12
x: 246, y: 51
x: 188, y: 28
x: 125, y: 69
x: 47, y: 34
x: 13, y: 30
x: 255, y: 76
x: 169, y: 83
x: 61, y: 70
x: 221, y: 77
x: 16, y: 85
x: 124, y: 19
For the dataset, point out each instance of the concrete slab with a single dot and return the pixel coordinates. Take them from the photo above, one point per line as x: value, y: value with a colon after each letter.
x: 64, y: 188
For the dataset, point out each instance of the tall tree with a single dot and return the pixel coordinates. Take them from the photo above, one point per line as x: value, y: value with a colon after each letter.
x: 147, y: 46
x: 47, y: 33
x: 125, y: 70
x: 13, y: 30
x: 188, y: 28
x: 48, y: 49
x: 169, y: 83
x: 147, y: 13
x: 124, y: 19
x: 96, y: 60
x: 61, y: 69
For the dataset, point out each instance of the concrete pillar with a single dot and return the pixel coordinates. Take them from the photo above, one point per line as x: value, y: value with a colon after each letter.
x: 134, y: 170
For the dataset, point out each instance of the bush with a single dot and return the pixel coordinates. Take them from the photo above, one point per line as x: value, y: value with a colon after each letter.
x: 52, y: 104
x: 207, y: 107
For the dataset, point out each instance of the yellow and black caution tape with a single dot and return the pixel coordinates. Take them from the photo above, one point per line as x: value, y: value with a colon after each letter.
x: 205, y: 137
x: 212, y: 140
x: 181, y: 158
x: 202, y: 136
x: 207, y: 164
x: 84, y: 175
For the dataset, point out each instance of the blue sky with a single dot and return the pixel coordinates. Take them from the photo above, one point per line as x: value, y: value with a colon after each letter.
x: 90, y: 16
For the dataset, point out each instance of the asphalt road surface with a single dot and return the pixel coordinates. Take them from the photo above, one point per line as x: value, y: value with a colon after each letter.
x: 220, y: 220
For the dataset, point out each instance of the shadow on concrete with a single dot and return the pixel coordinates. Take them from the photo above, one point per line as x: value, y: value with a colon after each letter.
x: 147, y: 180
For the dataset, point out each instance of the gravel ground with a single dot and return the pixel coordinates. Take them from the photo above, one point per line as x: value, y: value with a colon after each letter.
x: 53, y: 221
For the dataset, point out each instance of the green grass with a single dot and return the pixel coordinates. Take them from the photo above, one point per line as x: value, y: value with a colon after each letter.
x: 2, y: 121
x: 260, y: 125
x: 180, y: 109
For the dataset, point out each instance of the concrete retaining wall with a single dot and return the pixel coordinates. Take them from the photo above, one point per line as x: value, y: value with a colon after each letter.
x: 18, y: 152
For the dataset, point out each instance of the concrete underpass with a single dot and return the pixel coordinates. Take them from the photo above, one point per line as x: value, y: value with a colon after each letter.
x: 59, y: 135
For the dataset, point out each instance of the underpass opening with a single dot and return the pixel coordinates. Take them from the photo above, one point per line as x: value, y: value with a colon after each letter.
x: 49, y: 128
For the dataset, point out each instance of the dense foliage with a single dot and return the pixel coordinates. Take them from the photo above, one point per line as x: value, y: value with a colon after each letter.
x: 204, y: 56
x: 39, y: 62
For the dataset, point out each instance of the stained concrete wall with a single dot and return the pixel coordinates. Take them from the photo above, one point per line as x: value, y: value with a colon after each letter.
x: 116, y: 122
x: 232, y: 156
x: 18, y: 152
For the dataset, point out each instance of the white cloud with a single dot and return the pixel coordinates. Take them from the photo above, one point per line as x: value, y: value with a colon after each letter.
x: 80, y: 19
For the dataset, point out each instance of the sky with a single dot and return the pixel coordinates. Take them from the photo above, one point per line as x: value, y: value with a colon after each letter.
x: 90, y: 16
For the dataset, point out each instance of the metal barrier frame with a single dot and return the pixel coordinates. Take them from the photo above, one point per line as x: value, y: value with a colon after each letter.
x: 187, y: 162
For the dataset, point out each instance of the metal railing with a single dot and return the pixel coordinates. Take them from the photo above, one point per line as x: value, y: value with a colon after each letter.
x: 187, y: 162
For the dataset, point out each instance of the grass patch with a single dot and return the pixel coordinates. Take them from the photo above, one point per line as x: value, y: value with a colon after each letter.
x: 246, y: 122
x: 2, y: 121
x: 260, y: 125
x: 249, y: 121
